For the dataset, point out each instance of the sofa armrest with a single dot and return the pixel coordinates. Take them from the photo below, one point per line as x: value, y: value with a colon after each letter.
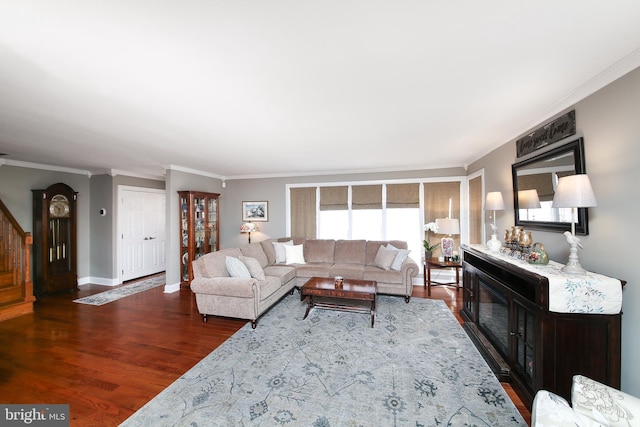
x: 551, y: 410
x: 604, y: 404
x: 225, y: 286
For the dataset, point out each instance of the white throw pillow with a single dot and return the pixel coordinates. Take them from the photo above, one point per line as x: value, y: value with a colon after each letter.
x: 255, y: 269
x: 236, y: 268
x: 401, y: 256
x: 281, y: 256
x: 384, y: 258
x: 295, y: 254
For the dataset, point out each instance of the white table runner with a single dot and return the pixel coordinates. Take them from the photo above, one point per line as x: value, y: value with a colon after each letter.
x: 590, y: 293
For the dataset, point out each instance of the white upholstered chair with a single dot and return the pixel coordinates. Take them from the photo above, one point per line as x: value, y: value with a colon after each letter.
x: 592, y: 404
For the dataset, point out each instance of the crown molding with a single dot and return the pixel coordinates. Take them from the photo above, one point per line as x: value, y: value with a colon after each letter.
x: 195, y: 172
x: 44, y: 167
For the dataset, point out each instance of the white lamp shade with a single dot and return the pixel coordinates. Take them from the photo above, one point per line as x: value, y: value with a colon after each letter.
x: 528, y: 199
x: 248, y: 227
x: 574, y: 191
x: 494, y: 201
x: 448, y: 226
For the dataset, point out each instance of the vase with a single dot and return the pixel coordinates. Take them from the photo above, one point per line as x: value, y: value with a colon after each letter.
x: 427, y: 254
x: 494, y: 244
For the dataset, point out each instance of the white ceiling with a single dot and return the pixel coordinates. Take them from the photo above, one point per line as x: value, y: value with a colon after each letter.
x: 266, y: 88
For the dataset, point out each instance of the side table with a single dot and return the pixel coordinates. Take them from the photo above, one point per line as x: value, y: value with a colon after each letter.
x: 430, y: 263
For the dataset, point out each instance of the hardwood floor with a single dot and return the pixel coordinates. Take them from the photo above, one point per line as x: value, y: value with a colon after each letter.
x: 108, y: 361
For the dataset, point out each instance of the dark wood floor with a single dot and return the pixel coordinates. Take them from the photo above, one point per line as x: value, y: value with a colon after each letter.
x: 108, y: 361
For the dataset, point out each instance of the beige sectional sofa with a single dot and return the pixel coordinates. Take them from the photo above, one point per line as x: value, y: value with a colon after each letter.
x: 268, y: 277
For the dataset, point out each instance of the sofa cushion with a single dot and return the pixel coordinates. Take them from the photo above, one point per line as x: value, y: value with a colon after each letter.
x: 384, y: 257
x: 254, y: 267
x: 268, y: 286
x: 236, y: 268
x: 316, y: 269
x: 348, y: 271
x: 281, y: 255
x: 254, y: 250
x: 350, y: 251
x: 294, y: 254
x: 379, y: 275
x: 214, y: 262
x: 317, y: 250
x: 283, y: 272
x: 401, y: 257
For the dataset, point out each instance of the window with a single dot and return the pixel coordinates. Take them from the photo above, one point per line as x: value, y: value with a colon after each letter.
x: 389, y: 211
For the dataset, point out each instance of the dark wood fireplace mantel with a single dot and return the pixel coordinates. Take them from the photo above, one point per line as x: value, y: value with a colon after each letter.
x: 506, y: 314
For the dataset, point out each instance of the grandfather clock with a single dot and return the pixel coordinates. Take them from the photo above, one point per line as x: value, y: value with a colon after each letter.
x: 54, y: 240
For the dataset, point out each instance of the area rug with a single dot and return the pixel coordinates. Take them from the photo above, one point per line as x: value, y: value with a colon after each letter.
x: 123, y: 291
x: 416, y: 367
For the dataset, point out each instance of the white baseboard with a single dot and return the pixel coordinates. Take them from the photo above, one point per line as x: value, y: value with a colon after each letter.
x: 98, y: 281
x: 169, y: 289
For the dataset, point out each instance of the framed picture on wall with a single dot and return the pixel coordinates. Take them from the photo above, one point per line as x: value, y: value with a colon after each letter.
x: 255, y: 211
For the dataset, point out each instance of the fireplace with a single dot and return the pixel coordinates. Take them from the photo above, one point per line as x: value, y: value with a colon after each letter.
x: 493, y: 315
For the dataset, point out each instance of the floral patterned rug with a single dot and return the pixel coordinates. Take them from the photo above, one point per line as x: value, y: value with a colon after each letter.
x: 416, y: 367
x: 123, y: 291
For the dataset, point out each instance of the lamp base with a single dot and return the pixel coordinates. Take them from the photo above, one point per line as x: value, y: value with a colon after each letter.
x: 446, y: 243
x: 494, y: 244
x: 573, y: 265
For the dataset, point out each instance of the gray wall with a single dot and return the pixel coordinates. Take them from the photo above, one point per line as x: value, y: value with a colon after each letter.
x: 16, y: 184
x: 608, y: 121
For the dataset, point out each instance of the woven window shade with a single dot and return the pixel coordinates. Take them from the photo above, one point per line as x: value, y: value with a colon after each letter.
x: 303, y: 212
x: 542, y: 182
x: 334, y: 198
x: 403, y: 195
x: 366, y: 197
x: 436, y: 203
x: 436, y: 200
x: 475, y: 210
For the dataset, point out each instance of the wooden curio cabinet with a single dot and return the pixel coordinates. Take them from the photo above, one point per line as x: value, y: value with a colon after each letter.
x: 199, y: 229
x: 54, y: 240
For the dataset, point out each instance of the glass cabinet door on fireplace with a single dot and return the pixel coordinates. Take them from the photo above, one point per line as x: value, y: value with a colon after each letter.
x: 524, y: 341
x: 198, y: 229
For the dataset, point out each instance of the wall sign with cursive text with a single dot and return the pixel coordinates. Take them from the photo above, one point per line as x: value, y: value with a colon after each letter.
x: 554, y: 131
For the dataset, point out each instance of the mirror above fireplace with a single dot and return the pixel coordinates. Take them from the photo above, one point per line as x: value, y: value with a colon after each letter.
x: 541, y: 173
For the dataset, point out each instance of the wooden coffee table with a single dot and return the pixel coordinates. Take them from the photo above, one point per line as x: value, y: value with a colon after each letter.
x: 351, y: 290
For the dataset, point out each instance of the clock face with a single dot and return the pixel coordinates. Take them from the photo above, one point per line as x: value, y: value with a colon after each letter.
x: 59, y: 206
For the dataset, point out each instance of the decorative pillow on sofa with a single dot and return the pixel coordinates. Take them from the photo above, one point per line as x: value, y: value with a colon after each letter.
x: 294, y: 254
x: 607, y: 405
x: 551, y: 410
x: 384, y: 258
x: 254, y: 267
x: 281, y: 256
x: 236, y: 268
x: 401, y: 256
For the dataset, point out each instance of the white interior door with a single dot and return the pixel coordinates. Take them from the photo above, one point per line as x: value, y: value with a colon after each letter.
x: 142, y: 232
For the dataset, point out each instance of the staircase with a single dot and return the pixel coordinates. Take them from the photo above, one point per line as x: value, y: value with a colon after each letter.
x: 16, y: 289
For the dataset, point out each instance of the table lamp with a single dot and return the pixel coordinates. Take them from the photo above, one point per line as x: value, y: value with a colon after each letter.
x: 528, y: 199
x: 574, y: 191
x: 248, y: 227
x: 494, y: 202
x: 448, y: 227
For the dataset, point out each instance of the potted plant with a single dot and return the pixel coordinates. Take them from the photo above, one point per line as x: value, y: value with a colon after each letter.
x: 429, y: 228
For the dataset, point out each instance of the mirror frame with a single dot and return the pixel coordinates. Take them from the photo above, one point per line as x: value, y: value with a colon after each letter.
x: 582, y: 226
